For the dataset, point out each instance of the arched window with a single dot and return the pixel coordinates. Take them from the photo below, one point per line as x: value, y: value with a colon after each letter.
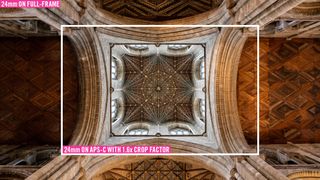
x: 138, y: 46
x: 202, y: 105
x: 139, y: 131
x: 114, y: 110
x: 201, y: 70
x: 114, y: 70
x: 180, y: 131
x: 177, y: 46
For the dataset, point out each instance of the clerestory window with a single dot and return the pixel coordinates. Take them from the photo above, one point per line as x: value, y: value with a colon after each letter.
x: 177, y: 46
x: 114, y: 110
x: 202, y: 105
x: 201, y: 71
x: 114, y: 68
x: 180, y: 131
x: 138, y: 46
x: 139, y: 131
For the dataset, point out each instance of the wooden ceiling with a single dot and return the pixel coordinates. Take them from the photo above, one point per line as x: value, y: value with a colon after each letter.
x: 30, y: 90
x: 289, y: 91
x: 158, y: 10
x: 158, y: 89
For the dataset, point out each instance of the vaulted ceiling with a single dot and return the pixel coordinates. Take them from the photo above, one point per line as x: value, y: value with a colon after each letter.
x: 158, y: 10
x: 30, y: 90
x: 289, y: 91
x: 159, y: 168
x: 162, y: 92
x: 159, y: 86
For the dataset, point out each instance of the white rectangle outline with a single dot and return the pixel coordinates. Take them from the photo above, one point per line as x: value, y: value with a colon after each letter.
x: 170, y: 154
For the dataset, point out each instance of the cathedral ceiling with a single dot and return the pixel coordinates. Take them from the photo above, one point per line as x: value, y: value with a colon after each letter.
x: 159, y: 89
x: 158, y: 10
x: 30, y: 90
x: 163, y: 92
x: 289, y: 91
x: 159, y: 168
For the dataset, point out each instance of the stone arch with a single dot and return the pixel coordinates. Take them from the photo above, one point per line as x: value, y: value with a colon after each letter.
x: 159, y: 167
x: 222, y: 89
x: 305, y: 175
x: 96, y: 15
x: 77, y: 167
x: 92, y: 101
x: 213, y: 164
x: 223, y: 56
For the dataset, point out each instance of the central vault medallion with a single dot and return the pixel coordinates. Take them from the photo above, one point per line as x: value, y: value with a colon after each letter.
x: 156, y: 89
